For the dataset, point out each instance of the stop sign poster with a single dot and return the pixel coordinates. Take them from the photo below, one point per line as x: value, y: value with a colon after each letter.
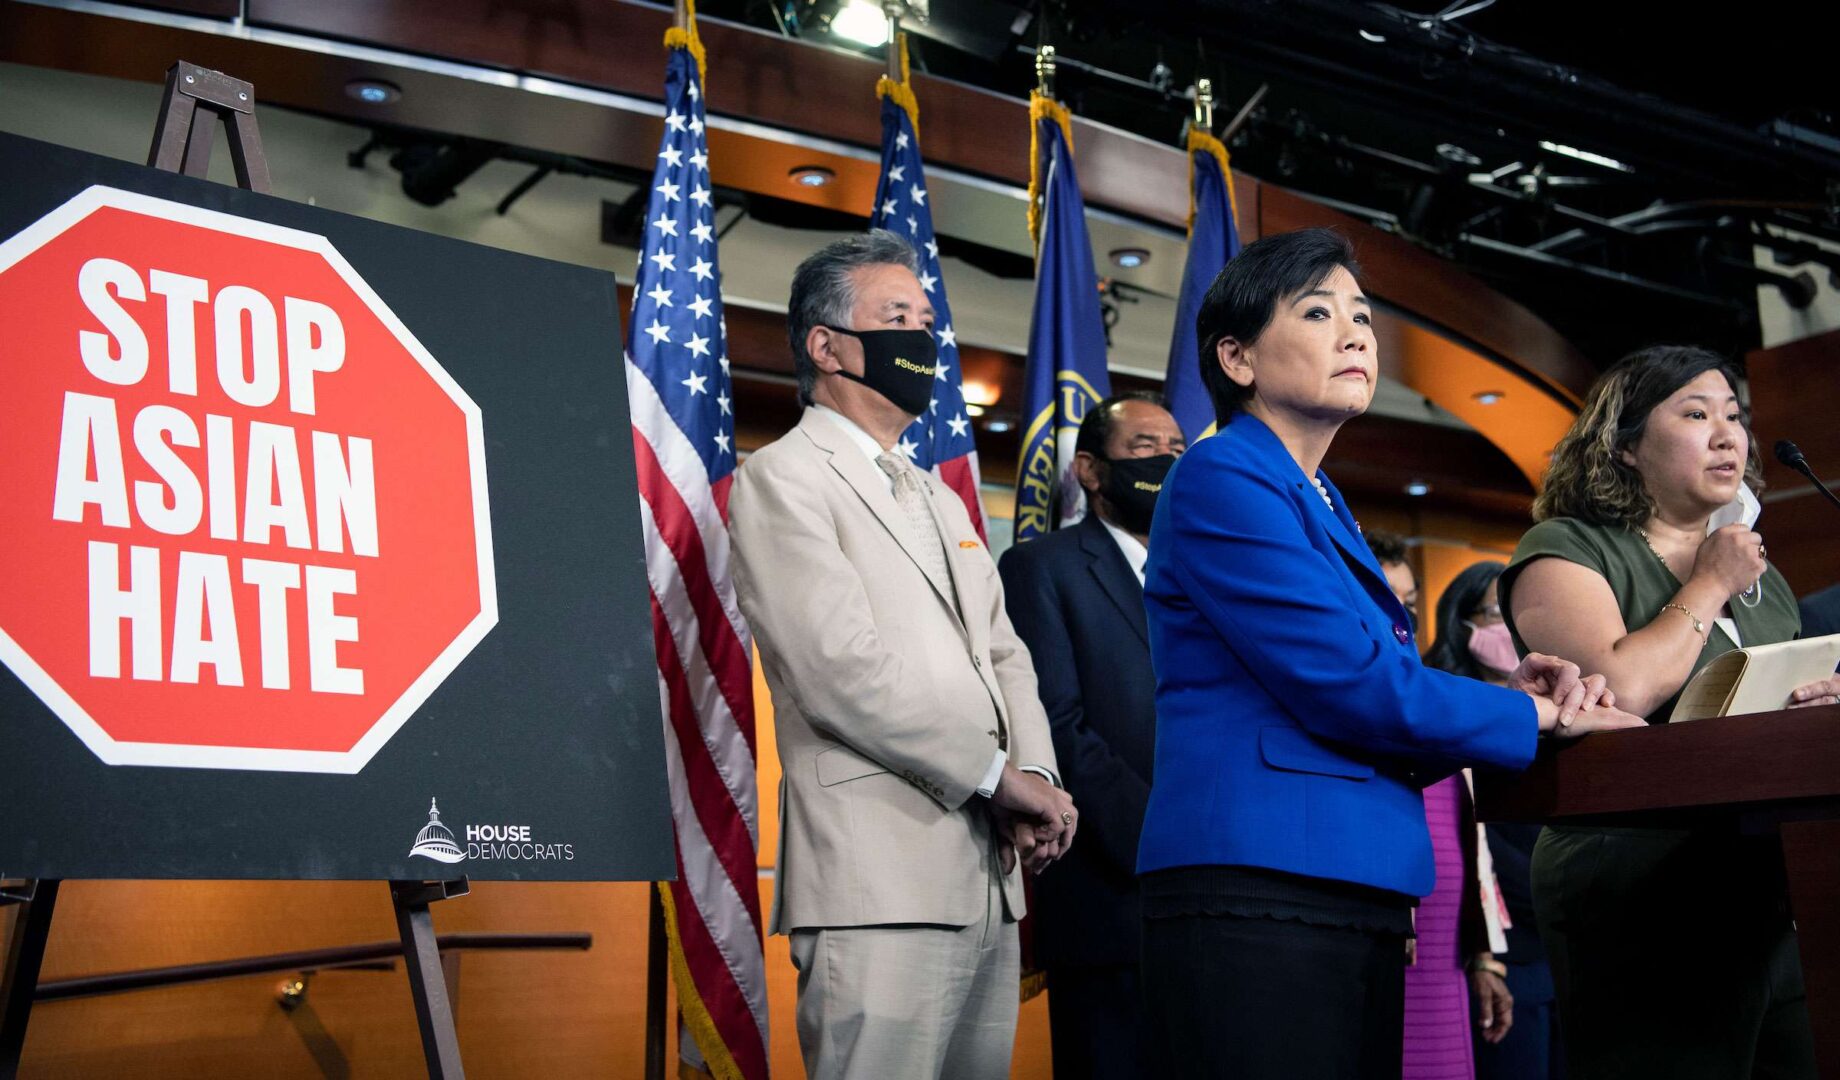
x: 319, y: 546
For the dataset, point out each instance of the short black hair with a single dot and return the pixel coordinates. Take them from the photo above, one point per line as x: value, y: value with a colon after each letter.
x: 1245, y: 295
x: 1096, y: 428
x: 1389, y: 548
x: 1450, y: 649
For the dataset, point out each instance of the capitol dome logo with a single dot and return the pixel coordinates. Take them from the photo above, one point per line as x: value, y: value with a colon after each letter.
x: 434, y: 841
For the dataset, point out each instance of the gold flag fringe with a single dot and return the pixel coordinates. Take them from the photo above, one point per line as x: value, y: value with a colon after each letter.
x: 716, y: 1054
x: 901, y: 93
x: 685, y: 37
x: 1200, y: 141
x: 1042, y: 107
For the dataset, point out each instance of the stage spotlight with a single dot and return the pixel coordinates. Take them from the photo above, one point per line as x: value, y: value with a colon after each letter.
x: 861, y: 22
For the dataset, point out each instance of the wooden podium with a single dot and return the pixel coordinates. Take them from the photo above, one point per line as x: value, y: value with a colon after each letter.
x: 1767, y: 771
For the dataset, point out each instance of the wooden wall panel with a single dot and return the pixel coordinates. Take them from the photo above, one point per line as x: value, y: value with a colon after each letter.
x: 1793, y: 390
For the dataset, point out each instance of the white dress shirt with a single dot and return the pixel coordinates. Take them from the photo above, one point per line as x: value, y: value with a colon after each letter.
x: 873, y: 450
x: 1134, y: 551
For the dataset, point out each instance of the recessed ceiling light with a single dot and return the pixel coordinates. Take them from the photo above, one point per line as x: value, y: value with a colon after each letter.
x: 1130, y: 258
x: 1416, y: 488
x: 862, y: 23
x: 373, y: 91
x: 973, y: 409
x: 812, y: 176
x: 998, y: 426
x: 1489, y: 397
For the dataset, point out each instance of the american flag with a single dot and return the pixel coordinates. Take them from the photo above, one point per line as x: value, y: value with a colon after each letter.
x: 684, y: 446
x: 941, y: 439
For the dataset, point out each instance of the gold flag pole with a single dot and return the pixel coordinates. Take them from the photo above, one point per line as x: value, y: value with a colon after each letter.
x: 1044, y: 71
x: 1204, y: 104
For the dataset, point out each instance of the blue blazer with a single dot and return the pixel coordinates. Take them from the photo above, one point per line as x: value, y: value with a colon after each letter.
x: 1296, y: 726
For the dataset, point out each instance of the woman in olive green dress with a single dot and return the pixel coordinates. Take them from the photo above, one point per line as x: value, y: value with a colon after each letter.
x: 1672, y: 950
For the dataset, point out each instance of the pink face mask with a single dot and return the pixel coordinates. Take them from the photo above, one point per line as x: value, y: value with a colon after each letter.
x: 1493, y: 647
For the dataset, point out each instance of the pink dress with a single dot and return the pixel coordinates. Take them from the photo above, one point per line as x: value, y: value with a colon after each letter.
x: 1437, y: 1023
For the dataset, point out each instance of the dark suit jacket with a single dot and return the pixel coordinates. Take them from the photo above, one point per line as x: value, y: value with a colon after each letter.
x: 1074, y: 600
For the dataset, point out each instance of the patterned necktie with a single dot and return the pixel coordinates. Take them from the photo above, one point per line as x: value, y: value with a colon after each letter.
x: 912, y: 500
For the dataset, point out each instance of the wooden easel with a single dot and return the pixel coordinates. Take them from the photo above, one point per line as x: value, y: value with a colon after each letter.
x: 180, y: 144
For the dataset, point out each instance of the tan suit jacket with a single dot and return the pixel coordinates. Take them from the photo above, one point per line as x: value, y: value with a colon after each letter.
x: 889, y: 706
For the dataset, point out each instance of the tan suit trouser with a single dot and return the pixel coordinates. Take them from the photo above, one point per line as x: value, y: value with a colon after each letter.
x: 904, y: 1001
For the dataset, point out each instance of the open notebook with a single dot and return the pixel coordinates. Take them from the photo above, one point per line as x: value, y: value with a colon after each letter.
x: 1756, y: 679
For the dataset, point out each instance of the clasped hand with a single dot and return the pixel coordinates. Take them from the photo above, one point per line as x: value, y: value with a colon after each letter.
x: 1037, y: 820
x: 1570, y: 702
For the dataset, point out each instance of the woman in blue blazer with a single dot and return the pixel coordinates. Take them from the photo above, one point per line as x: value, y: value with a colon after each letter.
x: 1285, y: 840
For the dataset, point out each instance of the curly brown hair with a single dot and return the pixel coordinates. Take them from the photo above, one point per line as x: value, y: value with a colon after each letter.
x: 1587, y: 478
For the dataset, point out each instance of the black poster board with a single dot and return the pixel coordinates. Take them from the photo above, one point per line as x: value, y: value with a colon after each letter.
x: 536, y: 731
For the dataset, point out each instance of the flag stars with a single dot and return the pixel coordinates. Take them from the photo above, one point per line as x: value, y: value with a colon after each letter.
x: 668, y: 190
x: 703, y: 233
x: 696, y: 124
x: 912, y: 450
x: 722, y: 403
x: 700, y: 197
x: 948, y: 337
x: 927, y: 281
x: 671, y: 156
x: 666, y: 224
x: 698, y: 345
x: 661, y: 334
x: 900, y: 139
x: 722, y: 442
x: 696, y: 383
x: 674, y: 120
x: 701, y: 306
x: 703, y: 269
x: 932, y: 250
x: 897, y: 173
x: 919, y: 194
x: 958, y: 425
x: 913, y: 225
x: 889, y: 207
x: 700, y: 159
x: 665, y: 260
x: 724, y: 358
x: 693, y: 91
x: 939, y: 373
x: 661, y: 295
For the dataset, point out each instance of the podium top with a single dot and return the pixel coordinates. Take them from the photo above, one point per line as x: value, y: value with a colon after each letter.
x: 1782, y: 763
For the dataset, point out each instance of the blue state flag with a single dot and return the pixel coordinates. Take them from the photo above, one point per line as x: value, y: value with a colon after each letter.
x: 1066, y: 365
x: 1213, y: 238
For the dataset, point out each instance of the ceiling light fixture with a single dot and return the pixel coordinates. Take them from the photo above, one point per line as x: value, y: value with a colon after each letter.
x: 1131, y: 257
x: 1417, y: 488
x: 1585, y: 155
x: 862, y: 23
x: 1489, y: 397
x: 998, y: 426
x: 373, y: 91
x: 812, y: 176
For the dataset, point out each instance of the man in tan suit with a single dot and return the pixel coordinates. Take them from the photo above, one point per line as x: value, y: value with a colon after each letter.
x: 916, y: 757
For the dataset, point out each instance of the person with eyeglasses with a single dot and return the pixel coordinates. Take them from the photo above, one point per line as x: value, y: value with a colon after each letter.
x: 1516, y: 1035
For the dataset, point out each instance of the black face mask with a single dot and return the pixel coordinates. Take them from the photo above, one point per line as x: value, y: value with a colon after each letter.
x: 1132, y: 485
x: 897, y: 364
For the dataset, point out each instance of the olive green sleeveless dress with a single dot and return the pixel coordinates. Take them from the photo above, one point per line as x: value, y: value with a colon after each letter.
x: 1672, y: 950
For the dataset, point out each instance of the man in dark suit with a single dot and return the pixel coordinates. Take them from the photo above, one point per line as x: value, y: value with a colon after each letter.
x: 1076, y: 597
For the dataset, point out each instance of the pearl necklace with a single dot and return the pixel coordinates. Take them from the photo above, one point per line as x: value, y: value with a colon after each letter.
x: 1324, y: 492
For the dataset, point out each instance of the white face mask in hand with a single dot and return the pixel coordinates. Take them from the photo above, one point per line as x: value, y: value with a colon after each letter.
x: 1744, y: 509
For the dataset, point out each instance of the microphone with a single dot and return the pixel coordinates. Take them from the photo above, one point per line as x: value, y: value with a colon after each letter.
x: 1790, y: 455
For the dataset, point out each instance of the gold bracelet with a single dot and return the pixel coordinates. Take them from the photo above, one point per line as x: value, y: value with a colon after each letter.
x: 1698, y: 627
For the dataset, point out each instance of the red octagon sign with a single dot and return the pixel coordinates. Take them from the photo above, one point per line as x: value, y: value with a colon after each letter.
x: 243, y: 517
